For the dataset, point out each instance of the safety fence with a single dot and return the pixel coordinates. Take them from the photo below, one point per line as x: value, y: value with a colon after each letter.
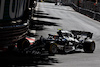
x: 66, y: 2
x: 52, y: 1
x: 88, y: 8
x: 87, y: 5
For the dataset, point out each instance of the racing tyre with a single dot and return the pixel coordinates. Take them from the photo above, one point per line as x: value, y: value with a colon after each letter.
x: 65, y: 49
x: 53, y: 49
x: 22, y: 44
x: 89, y: 47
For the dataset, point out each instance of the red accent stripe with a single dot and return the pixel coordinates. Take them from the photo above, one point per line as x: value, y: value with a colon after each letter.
x: 16, y: 46
x: 30, y: 39
x: 27, y: 39
x: 31, y: 43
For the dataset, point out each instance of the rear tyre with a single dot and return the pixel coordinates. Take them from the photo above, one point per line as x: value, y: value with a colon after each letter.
x: 89, y: 47
x: 53, y: 49
x: 22, y: 44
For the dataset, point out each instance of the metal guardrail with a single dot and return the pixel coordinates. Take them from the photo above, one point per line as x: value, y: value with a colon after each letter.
x: 87, y: 7
x: 66, y: 2
x: 52, y: 1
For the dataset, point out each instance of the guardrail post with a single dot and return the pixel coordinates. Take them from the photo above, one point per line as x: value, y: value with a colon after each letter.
x: 95, y: 10
x: 94, y: 15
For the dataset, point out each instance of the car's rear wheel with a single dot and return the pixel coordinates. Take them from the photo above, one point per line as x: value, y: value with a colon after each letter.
x: 22, y: 44
x: 89, y: 47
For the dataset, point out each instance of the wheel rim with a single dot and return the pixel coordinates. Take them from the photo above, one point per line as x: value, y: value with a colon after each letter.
x: 53, y: 48
x: 23, y: 44
x: 65, y: 49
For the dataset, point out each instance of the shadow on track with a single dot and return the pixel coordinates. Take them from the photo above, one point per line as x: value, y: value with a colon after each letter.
x: 42, y: 13
x: 38, y: 12
x: 48, y: 17
x: 39, y: 25
x: 39, y: 22
x: 72, y: 52
x: 16, y: 60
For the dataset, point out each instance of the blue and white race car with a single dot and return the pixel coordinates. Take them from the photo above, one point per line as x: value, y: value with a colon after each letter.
x: 68, y: 41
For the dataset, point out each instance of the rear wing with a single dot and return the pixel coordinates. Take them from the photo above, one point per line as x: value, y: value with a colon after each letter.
x: 83, y: 33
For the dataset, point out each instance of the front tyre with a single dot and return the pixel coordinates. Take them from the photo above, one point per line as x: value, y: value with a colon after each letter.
x: 53, y: 49
x: 89, y: 47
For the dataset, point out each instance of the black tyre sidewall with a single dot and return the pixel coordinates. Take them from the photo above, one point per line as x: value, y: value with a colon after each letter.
x: 89, y: 47
x: 53, y: 49
x: 22, y: 44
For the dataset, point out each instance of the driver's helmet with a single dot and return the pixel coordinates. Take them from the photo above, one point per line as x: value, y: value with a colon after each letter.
x: 59, y: 33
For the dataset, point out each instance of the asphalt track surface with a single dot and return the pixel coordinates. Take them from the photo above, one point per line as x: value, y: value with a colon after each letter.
x: 51, y: 18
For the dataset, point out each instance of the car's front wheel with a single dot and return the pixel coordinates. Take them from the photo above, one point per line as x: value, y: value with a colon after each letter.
x: 53, y: 49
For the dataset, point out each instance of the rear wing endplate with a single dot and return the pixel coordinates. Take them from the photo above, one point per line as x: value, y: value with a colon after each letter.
x: 83, y: 33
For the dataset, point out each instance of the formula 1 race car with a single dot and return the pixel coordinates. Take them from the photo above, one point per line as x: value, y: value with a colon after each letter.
x: 68, y: 41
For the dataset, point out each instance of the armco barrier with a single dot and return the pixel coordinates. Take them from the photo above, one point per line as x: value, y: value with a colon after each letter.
x: 66, y: 2
x: 98, y: 7
x: 87, y: 8
x: 75, y: 7
x: 52, y: 1
x: 87, y: 12
x: 97, y: 16
x: 75, y: 2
